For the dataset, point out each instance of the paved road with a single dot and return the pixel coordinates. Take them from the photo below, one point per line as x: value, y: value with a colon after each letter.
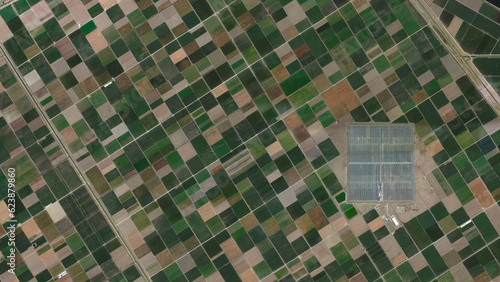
x: 55, y: 133
x: 464, y: 59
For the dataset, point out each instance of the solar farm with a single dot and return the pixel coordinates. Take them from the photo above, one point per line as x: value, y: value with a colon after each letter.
x: 380, y: 163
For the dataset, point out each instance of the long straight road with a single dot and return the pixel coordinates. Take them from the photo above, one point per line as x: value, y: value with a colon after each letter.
x: 464, y: 59
x: 55, y: 133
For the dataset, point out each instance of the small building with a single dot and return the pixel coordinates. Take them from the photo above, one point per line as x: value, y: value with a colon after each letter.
x: 380, y: 162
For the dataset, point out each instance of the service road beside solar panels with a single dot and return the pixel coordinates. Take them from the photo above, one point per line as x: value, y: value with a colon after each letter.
x: 380, y: 162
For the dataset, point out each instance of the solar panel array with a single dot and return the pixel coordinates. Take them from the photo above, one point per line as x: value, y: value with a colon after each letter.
x: 380, y: 163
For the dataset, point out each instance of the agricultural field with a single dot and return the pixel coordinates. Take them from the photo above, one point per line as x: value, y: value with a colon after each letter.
x: 490, y: 68
x: 206, y: 140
